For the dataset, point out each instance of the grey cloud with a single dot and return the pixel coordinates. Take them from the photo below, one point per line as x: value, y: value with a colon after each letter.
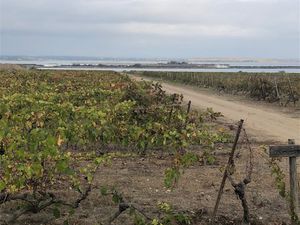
x: 138, y: 24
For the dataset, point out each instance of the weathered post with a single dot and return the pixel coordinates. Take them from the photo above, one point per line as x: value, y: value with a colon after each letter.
x: 229, y: 163
x: 187, y: 113
x: 172, y: 107
x: 189, y: 108
x: 293, y: 180
x: 292, y: 151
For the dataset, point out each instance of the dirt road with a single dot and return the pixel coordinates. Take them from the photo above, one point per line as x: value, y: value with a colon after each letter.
x: 263, y: 123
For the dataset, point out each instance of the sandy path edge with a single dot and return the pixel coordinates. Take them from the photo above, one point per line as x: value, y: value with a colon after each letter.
x: 263, y: 123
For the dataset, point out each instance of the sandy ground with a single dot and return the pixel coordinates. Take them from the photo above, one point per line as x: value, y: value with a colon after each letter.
x: 264, y: 123
x: 140, y: 181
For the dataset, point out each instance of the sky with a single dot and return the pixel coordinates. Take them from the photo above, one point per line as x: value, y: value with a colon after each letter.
x: 151, y: 28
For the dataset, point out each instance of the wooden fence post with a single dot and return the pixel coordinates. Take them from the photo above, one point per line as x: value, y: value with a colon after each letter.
x: 293, y: 181
x: 227, y: 167
x: 189, y: 108
x: 292, y: 151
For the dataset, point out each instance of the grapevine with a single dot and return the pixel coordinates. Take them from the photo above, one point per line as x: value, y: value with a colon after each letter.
x: 56, y: 127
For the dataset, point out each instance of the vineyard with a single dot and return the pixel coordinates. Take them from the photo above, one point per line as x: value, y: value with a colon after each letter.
x: 282, y: 88
x: 49, y: 120
x: 99, y: 148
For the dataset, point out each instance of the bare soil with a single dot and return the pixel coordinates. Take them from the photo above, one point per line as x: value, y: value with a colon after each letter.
x: 140, y: 180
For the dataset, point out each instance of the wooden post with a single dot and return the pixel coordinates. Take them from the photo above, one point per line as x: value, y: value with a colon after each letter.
x: 188, y: 108
x: 187, y: 113
x: 277, y: 91
x: 292, y: 151
x: 293, y: 181
x: 227, y: 167
x: 172, y: 107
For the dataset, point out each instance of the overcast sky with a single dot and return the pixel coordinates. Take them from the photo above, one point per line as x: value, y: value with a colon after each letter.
x: 151, y: 28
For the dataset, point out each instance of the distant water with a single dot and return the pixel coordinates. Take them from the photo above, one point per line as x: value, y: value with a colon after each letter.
x: 177, y: 70
x: 56, y: 62
x: 50, y: 63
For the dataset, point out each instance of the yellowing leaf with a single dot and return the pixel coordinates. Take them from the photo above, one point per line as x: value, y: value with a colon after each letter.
x: 59, y: 140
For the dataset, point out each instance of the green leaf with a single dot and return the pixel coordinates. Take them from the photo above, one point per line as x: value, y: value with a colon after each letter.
x: 36, y: 169
x: 189, y: 159
x: 89, y: 177
x: 71, y: 212
x: 171, y: 177
x: 117, y: 198
x: 2, y: 185
x: 103, y: 190
x: 62, y: 166
x: 56, y: 213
